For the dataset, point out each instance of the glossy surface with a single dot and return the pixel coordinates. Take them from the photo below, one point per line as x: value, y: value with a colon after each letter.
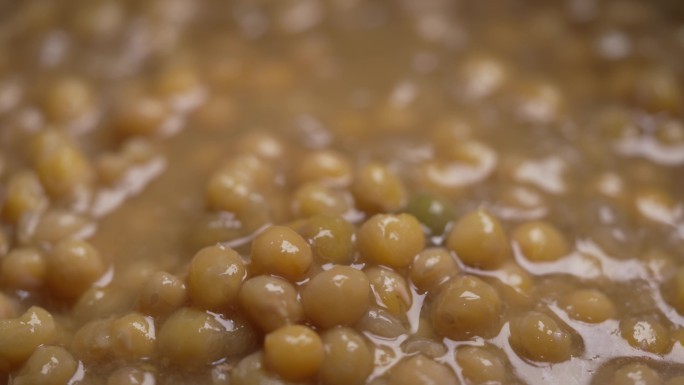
x: 437, y: 191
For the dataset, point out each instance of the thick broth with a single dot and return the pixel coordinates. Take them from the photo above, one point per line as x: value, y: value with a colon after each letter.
x: 341, y: 192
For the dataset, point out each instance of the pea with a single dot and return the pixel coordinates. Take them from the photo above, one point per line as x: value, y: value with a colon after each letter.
x: 589, y: 305
x: 391, y: 290
x: 348, y: 359
x: 133, y: 336
x: 316, y: 198
x: 72, y: 267
x: 24, y: 194
x: 215, y: 276
x: 192, y: 338
x: 270, y: 302
x: 391, y: 240
x: 281, y: 251
x: 331, y: 238
x: 377, y: 189
x: 130, y: 375
x: 479, y: 240
x: 636, y: 374
x: 252, y: 370
x: 646, y: 333
x: 339, y: 296
x: 433, y: 212
x: 432, y: 268
x: 467, y: 307
x: 538, y: 337
x: 294, y: 352
x: 421, y: 370
x: 540, y: 241
x: 480, y: 365
x: 162, y: 294
x: 19, y: 337
x: 23, y: 268
x: 48, y: 365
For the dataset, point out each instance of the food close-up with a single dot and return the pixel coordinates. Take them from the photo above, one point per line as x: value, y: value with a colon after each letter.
x: 341, y: 192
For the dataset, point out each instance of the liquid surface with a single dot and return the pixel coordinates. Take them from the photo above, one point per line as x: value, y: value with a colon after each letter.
x: 341, y: 192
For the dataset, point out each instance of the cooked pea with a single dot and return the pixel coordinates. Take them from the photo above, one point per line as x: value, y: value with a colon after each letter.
x: 72, y: 266
x: 102, y: 302
x: 252, y: 168
x: 24, y: 194
x: 242, y: 336
x: 23, y: 269
x: 348, y: 359
x: 294, y: 352
x: 390, y: 290
x: 58, y: 224
x: 515, y: 284
x: 538, y: 337
x: 483, y: 75
x: 192, y: 338
x: 377, y: 189
x: 433, y: 212
x: 281, y: 251
x: 382, y: 323
x: 326, y: 166
x: 465, y: 308
x: 133, y: 336
x: 140, y: 114
x: 331, y: 238
x: 339, y: 296
x: 479, y: 240
x: 92, y: 342
x: 636, y: 374
x: 177, y: 80
x: 314, y: 198
x: 48, y: 365
x: 539, y: 102
x: 589, y: 305
x: 392, y: 240
x: 480, y: 365
x: 228, y: 190
x: 461, y: 165
x: 263, y: 144
x: 162, y: 294
x: 251, y: 370
x: 646, y: 333
x: 19, y: 337
x: 421, y: 370
x: 67, y: 99
x: 215, y: 277
x: 426, y: 346
x: 61, y: 166
x: 129, y: 375
x: 432, y: 267
x: 270, y: 302
x: 540, y: 241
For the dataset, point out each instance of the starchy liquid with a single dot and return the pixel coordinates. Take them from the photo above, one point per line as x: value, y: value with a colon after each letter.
x: 341, y: 192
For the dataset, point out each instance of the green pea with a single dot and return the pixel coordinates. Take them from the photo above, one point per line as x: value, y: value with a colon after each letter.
x: 433, y: 212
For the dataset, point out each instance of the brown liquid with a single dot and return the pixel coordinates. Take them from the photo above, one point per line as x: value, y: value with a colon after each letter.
x: 570, y: 113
